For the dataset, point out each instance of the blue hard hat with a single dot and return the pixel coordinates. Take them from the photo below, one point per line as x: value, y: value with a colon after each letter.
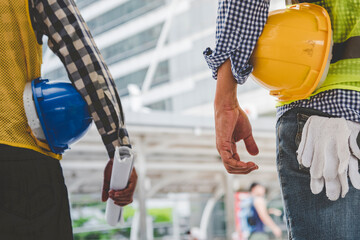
x: 63, y: 113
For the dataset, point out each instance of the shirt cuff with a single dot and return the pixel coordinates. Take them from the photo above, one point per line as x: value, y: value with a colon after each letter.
x: 215, y: 60
x: 111, y: 141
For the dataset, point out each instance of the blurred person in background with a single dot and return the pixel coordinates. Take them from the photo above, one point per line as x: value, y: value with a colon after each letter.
x: 259, y: 216
x: 33, y: 196
x: 334, y: 110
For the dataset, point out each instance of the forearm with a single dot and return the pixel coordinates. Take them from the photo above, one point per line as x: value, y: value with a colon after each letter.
x: 267, y: 220
x: 226, y: 88
x: 261, y: 209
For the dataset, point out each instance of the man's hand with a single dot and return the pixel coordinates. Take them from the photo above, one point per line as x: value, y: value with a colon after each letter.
x: 120, y: 197
x: 231, y: 124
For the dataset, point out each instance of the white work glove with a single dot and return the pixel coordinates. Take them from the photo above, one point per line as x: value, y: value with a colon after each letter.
x: 355, y: 156
x: 324, y: 148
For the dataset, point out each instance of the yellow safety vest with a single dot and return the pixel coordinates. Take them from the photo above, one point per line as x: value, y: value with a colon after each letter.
x: 21, y: 58
x: 344, y: 72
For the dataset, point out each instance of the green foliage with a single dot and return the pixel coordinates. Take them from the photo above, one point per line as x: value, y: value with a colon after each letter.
x: 93, y: 236
x: 161, y: 214
x: 128, y: 212
x: 102, y: 235
x: 79, y: 222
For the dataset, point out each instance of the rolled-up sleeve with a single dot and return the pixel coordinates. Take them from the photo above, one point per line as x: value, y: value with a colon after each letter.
x: 238, y: 26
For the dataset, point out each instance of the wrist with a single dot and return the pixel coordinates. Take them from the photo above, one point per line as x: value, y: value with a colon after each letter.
x: 226, y: 94
x: 225, y: 104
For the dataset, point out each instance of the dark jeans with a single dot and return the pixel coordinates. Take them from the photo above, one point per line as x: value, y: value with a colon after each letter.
x: 34, y: 203
x: 309, y: 216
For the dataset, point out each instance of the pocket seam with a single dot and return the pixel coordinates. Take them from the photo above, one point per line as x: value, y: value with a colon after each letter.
x: 301, y: 120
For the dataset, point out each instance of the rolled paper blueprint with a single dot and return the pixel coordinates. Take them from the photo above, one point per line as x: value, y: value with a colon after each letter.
x: 122, y: 168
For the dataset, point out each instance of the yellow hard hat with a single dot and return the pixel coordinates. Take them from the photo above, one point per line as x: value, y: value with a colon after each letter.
x: 293, y: 54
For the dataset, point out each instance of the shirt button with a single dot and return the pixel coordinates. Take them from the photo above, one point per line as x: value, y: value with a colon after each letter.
x: 208, y: 51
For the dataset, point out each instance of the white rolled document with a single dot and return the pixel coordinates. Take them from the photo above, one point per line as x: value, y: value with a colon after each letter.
x: 122, y: 168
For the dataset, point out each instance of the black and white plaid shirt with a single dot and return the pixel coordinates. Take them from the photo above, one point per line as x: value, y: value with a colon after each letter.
x: 70, y: 39
x: 239, y: 25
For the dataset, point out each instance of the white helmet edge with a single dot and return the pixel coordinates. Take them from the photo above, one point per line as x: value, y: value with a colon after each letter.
x: 31, y: 114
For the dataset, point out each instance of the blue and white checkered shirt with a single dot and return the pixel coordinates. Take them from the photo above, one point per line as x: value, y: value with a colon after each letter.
x: 336, y: 102
x: 239, y: 25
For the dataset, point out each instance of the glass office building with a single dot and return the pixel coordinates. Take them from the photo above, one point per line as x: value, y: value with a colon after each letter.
x: 160, y: 41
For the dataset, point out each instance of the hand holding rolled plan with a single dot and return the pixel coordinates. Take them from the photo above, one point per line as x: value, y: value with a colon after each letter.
x: 122, y: 169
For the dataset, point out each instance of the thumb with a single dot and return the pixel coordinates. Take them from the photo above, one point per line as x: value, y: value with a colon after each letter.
x: 106, y: 181
x: 353, y: 143
x: 354, y: 172
x: 251, y: 145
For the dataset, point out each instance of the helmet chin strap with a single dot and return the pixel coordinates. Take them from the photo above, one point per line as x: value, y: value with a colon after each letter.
x: 41, y: 143
x: 32, y: 117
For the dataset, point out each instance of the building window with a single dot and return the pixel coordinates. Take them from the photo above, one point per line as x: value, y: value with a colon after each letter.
x: 132, y: 46
x: 84, y: 3
x: 161, y: 76
x: 164, y: 105
x: 121, y: 14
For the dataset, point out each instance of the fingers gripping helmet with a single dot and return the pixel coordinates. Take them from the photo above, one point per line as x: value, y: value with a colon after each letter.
x: 56, y: 113
x: 293, y: 54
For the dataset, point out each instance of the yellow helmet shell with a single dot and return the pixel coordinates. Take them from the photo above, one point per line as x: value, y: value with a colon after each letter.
x: 292, y: 54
